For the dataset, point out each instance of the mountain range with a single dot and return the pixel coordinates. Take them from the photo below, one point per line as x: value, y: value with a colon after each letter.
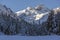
x: 36, y: 21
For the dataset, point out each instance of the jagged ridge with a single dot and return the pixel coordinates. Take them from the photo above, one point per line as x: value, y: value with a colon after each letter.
x: 30, y: 21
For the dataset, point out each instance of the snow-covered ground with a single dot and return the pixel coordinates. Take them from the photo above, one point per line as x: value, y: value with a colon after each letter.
x: 30, y: 37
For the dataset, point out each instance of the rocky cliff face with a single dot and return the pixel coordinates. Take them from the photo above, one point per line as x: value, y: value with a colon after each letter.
x: 8, y: 21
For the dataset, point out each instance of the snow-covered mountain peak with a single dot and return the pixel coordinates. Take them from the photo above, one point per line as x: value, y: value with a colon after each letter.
x: 56, y: 10
x: 39, y: 7
x: 29, y: 8
x: 42, y: 8
x: 33, y: 14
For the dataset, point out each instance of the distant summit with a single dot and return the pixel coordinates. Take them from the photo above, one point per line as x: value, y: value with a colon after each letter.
x: 36, y: 15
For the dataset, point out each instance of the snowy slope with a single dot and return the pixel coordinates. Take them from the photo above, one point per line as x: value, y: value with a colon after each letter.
x: 36, y: 15
x: 30, y: 38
